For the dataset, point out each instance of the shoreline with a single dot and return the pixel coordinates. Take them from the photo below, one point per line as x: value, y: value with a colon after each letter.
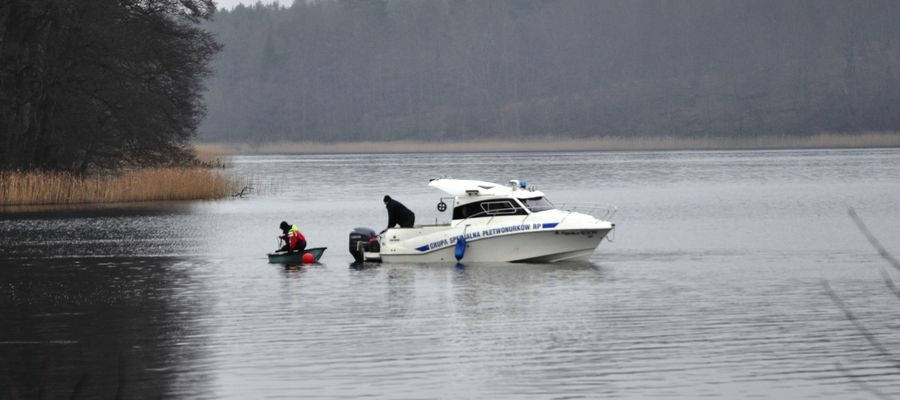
x: 657, y: 143
x: 97, y: 208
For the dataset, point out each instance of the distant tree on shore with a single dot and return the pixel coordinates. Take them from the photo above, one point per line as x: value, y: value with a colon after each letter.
x: 343, y: 70
x: 101, y: 84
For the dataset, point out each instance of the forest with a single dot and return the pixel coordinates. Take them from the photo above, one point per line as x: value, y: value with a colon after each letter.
x: 449, y: 70
x: 90, y: 86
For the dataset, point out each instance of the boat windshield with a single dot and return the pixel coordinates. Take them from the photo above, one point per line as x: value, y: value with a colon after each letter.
x: 537, y: 204
x: 488, y: 208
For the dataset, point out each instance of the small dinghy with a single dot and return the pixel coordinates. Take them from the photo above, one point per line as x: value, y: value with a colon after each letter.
x: 296, y: 257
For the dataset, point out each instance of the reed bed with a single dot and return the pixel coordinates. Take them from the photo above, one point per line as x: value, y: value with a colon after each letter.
x: 552, y: 143
x: 212, y: 155
x: 163, y: 184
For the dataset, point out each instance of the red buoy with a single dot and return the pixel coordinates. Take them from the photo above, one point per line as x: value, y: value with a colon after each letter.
x: 308, y: 258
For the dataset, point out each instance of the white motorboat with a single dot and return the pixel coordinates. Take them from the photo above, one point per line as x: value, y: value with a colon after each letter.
x: 490, y: 223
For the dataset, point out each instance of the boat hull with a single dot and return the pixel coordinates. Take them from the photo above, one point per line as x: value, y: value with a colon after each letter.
x: 495, y: 223
x: 538, y: 247
x: 296, y: 257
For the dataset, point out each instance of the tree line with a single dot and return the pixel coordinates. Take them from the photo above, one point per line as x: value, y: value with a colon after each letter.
x: 346, y: 70
x: 100, y: 85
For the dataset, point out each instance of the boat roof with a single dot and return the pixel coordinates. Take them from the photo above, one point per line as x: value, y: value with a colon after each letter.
x: 463, y: 187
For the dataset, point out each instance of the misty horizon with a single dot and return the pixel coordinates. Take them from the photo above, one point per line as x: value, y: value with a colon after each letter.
x: 449, y: 71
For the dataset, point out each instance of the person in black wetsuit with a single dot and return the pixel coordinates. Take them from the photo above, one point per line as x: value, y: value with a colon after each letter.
x: 398, y: 214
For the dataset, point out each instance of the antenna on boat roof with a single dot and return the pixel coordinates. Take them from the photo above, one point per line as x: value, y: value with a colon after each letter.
x: 442, y: 177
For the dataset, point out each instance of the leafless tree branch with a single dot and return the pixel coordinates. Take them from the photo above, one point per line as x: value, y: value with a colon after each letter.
x: 875, y: 243
x: 861, y: 383
x: 882, y: 350
x: 890, y: 284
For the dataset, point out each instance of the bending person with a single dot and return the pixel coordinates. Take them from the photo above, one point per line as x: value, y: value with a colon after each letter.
x: 398, y: 214
x: 293, y: 239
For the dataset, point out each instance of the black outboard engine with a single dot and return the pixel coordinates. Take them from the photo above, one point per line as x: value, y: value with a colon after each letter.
x: 363, y: 240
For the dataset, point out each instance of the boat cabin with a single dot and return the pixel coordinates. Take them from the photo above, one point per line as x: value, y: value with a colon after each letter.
x: 500, y: 206
x: 475, y: 199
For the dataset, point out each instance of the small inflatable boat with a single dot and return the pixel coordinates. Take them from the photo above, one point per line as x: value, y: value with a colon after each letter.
x: 296, y: 257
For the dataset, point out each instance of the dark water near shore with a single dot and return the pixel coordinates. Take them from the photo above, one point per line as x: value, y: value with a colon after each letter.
x: 713, y: 286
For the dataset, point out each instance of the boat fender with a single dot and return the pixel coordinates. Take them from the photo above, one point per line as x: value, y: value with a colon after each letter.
x: 460, y: 248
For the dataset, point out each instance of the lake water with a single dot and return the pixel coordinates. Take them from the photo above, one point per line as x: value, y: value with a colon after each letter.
x: 713, y: 286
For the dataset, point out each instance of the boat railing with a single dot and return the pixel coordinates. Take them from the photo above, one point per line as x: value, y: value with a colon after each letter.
x: 599, y: 211
x: 496, y: 212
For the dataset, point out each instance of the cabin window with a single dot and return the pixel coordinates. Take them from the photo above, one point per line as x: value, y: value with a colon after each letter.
x: 537, y: 204
x: 488, y: 208
x: 502, y: 207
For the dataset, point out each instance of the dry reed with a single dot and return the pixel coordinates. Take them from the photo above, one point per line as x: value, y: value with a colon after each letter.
x: 820, y: 141
x: 211, y: 155
x: 165, y: 184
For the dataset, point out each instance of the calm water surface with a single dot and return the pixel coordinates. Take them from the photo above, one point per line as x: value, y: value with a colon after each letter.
x: 712, y: 286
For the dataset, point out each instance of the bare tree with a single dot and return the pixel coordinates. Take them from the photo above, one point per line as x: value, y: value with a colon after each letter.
x: 101, y: 85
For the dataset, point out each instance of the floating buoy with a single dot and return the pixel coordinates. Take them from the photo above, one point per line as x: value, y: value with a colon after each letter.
x: 460, y: 249
x: 308, y: 258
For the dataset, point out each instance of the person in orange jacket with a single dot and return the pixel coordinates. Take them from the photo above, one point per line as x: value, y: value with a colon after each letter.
x: 293, y: 239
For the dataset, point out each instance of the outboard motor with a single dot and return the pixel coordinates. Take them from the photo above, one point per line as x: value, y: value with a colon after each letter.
x: 363, y: 240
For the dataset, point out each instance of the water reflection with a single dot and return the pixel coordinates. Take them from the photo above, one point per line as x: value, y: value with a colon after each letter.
x: 364, y: 265
x: 97, y: 328
x: 711, y: 289
x: 294, y: 270
x: 95, y: 305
